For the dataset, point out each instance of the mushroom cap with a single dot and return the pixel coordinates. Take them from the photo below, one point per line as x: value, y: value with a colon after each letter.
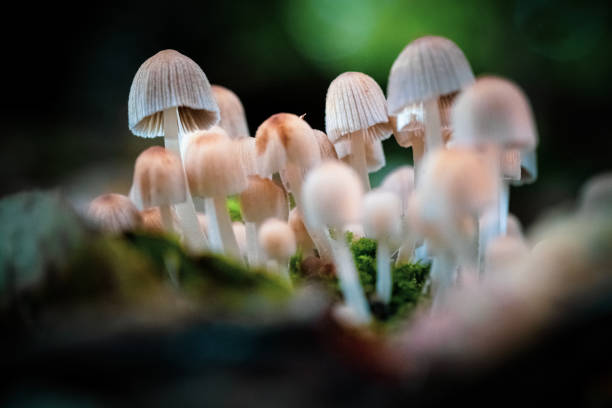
x: 246, y: 152
x: 152, y: 221
x: 277, y: 239
x: 326, y: 147
x: 494, y: 111
x: 215, y: 132
x: 596, y: 194
x: 332, y: 195
x: 232, y: 116
x: 427, y: 68
x: 263, y: 199
x: 211, y: 167
x: 285, y: 138
x: 382, y: 216
x: 375, y: 155
x: 401, y: 182
x: 166, y: 80
x: 355, y: 106
x: 302, y: 238
x: 114, y: 213
x: 158, y: 179
x: 410, y: 122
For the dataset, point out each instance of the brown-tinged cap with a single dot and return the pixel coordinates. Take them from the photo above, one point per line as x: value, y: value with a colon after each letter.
x: 303, y: 239
x: 326, y: 147
x: 166, y: 80
x: 494, y: 111
x: 427, y: 68
x: 212, y: 169
x: 277, y: 240
x: 233, y: 119
x: 152, y: 221
x: 246, y: 154
x: 158, y: 179
x: 263, y: 199
x: 114, y: 213
x: 214, y: 133
x: 355, y: 106
x: 285, y: 138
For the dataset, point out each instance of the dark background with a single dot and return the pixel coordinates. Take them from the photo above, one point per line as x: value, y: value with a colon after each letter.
x: 68, y: 72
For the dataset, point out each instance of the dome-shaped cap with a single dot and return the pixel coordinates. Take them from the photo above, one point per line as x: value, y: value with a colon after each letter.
x: 283, y: 138
x: 493, y: 111
x: 152, y: 221
x: 233, y: 118
x: 263, y: 199
x: 401, y: 182
x: 382, y: 216
x: 277, y: 239
x: 211, y: 167
x: 166, y: 80
x: 158, y: 179
x: 114, y: 213
x: 427, y: 68
x: 355, y: 105
x: 332, y: 195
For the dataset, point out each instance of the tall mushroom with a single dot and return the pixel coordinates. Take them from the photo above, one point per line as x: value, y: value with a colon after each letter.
x: 213, y: 174
x: 262, y: 199
x: 159, y: 181
x: 333, y: 199
x: 428, y: 71
x: 170, y: 95
x: 233, y: 119
x: 356, y: 111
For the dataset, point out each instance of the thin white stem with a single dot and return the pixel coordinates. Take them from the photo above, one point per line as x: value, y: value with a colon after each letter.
x: 433, y: 127
x: 384, y: 283
x: 442, y: 277
x: 283, y: 271
x: 214, y: 233
x: 254, y: 253
x: 219, y: 216
x: 418, y: 151
x: 357, y: 158
x: 349, y: 280
x: 488, y: 229
x: 166, y: 218
x: 504, y: 206
x: 194, y: 238
x: 295, y: 179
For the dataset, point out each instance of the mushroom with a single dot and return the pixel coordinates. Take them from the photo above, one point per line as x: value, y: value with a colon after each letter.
x: 456, y: 187
x: 213, y: 174
x: 422, y: 81
x: 286, y: 144
x: 152, y: 220
x: 232, y: 119
x: 494, y: 115
x: 326, y: 148
x: 159, y: 181
x: 596, y: 195
x: 114, y: 213
x: 333, y: 199
x: 302, y: 238
x: 382, y: 222
x: 278, y: 241
x: 401, y: 182
x: 374, y: 154
x: 356, y: 111
x: 170, y: 95
x: 262, y: 199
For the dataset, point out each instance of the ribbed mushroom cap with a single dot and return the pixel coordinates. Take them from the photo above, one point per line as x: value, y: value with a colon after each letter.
x: 277, y: 239
x: 114, y: 213
x: 494, y: 111
x: 215, y: 132
x: 158, y: 179
x: 152, y: 221
x: 246, y: 153
x: 511, y: 164
x: 302, y: 238
x: 355, y: 105
x: 326, y: 148
x: 401, y: 182
x: 596, y: 194
x: 211, y: 167
x: 233, y: 119
x: 263, y: 199
x: 284, y: 138
x: 382, y: 216
x: 332, y: 195
x: 427, y: 68
x: 166, y: 80
x: 375, y: 155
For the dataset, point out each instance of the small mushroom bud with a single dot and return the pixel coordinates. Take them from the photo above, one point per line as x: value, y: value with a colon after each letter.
x: 278, y: 241
x: 114, y: 213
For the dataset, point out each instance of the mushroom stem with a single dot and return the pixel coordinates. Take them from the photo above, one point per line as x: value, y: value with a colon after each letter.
x: 358, y: 158
x: 254, y: 255
x: 318, y: 235
x: 504, y: 205
x: 442, y: 271
x: 349, y: 279
x: 222, y: 237
x: 195, y: 239
x: 384, y: 283
x: 405, y: 252
x: 433, y: 127
x: 418, y: 151
x: 166, y: 217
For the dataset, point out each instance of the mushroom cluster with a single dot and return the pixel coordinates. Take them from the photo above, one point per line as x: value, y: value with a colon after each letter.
x: 301, y: 190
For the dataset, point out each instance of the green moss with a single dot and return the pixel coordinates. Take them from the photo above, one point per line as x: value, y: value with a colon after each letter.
x: 233, y: 206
